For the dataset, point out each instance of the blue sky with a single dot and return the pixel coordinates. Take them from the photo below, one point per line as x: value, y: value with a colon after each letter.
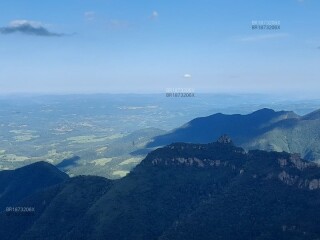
x: 146, y: 46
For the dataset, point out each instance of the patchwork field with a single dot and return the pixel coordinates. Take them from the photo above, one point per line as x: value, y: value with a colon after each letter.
x: 104, y: 132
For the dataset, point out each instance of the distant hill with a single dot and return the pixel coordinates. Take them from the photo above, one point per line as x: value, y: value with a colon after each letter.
x: 240, y: 127
x: 182, y: 191
x: 264, y: 129
x: 17, y: 184
x: 300, y: 135
x: 312, y: 116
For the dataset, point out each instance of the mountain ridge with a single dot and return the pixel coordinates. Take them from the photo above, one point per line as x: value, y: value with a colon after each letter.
x: 264, y: 129
x: 17, y: 184
x: 184, y: 191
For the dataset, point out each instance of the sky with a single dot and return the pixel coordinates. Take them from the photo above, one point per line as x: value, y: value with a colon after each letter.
x: 148, y: 46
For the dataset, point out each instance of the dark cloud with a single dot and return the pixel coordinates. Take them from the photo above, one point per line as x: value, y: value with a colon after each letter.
x: 28, y: 28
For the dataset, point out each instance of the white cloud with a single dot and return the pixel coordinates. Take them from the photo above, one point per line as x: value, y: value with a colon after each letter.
x: 154, y: 15
x: 19, y: 23
x: 262, y: 37
x: 187, y: 75
x: 90, y: 15
x: 117, y: 24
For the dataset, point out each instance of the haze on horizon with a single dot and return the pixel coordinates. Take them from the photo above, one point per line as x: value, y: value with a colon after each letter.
x: 143, y: 46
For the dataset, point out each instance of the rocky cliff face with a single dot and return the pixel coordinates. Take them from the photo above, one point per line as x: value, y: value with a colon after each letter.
x: 300, y: 178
